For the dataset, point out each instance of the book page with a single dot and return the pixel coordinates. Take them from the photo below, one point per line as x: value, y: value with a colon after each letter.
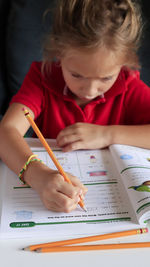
x: 133, y: 164
x: 23, y: 213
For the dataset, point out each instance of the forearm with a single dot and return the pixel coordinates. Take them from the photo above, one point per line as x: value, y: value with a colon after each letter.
x: 91, y: 136
x: 14, y: 151
x: 138, y: 135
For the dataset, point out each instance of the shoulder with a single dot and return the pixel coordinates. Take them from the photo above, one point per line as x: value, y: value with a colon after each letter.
x: 133, y: 81
x: 36, y: 65
x: 53, y: 77
x: 34, y: 74
x: 137, y: 99
x: 31, y: 91
x: 49, y: 75
x: 137, y: 93
x: 47, y: 71
x: 127, y: 83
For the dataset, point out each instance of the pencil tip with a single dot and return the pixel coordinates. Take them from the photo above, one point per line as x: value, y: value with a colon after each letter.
x: 84, y: 208
x: 26, y: 249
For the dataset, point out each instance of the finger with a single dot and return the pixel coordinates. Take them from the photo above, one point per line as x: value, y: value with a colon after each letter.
x: 78, y: 188
x: 53, y: 206
x: 67, y: 139
x: 74, y: 146
x: 69, y: 190
x: 65, y: 203
x: 76, y: 182
x: 67, y: 130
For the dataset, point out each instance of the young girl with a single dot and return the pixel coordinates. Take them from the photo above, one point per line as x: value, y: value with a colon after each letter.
x: 89, y: 97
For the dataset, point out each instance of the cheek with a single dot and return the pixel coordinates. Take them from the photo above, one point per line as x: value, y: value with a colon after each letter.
x: 66, y: 76
x: 71, y: 83
x: 104, y: 87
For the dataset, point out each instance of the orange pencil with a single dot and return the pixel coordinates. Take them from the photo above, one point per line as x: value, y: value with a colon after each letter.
x: 50, y: 152
x: 87, y: 239
x: 95, y: 247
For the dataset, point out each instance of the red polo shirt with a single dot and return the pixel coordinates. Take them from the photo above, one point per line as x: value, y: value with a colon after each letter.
x: 126, y: 102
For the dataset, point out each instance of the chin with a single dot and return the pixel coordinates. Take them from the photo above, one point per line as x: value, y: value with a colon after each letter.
x: 88, y: 98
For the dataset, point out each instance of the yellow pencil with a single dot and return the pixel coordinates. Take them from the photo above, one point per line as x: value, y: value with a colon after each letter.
x: 95, y: 247
x: 87, y: 239
x: 50, y: 152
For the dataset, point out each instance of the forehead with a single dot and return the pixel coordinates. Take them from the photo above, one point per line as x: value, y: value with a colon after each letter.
x: 101, y: 62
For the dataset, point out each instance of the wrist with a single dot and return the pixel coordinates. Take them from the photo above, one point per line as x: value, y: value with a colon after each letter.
x: 32, y: 172
x: 109, y: 133
x: 115, y: 134
x: 35, y: 176
x: 31, y: 159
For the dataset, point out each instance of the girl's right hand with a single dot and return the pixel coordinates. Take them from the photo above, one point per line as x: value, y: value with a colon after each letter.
x: 55, y: 193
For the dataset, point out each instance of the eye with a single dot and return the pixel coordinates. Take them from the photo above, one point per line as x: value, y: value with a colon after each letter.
x: 75, y: 75
x: 107, y: 79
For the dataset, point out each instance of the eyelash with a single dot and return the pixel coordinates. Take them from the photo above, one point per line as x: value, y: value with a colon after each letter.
x: 78, y: 76
x: 107, y: 79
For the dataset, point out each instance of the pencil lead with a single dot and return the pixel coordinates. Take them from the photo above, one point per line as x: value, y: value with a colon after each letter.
x: 26, y: 249
x: 84, y: 208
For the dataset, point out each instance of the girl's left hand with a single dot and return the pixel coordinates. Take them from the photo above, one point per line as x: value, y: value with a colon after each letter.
x: 83, y: 136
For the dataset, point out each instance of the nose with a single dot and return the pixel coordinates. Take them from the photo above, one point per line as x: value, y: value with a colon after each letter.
x: 91, y: 88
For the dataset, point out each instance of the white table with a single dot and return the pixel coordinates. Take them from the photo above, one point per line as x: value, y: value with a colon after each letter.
x: 11, y: 253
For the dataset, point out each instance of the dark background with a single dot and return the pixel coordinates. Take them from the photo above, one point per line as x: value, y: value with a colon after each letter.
x: 22, y: 29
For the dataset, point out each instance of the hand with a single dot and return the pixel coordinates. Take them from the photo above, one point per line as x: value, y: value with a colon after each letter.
x: 55, y: 193
x: 84, y: 136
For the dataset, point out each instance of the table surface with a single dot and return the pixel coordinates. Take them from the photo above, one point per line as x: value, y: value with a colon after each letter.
x: 11, y: 253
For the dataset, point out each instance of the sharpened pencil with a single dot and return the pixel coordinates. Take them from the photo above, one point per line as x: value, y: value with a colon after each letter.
x: 87, y: 239
x: 95, y: 247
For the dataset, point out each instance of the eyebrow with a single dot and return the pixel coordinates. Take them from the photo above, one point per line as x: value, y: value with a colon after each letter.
x: 108, y: 76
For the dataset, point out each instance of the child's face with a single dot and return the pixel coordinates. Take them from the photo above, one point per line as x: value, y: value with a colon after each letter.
x: 89, y: 75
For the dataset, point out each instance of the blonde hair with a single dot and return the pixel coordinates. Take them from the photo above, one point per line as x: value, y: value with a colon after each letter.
x: 90, y: 24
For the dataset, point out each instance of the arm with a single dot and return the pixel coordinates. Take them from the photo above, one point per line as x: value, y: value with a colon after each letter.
x: 134, y: 135
x: 91, y: 136
x: 14, y: 151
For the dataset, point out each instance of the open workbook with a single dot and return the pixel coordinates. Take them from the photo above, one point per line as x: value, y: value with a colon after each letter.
x: 118, y: 197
